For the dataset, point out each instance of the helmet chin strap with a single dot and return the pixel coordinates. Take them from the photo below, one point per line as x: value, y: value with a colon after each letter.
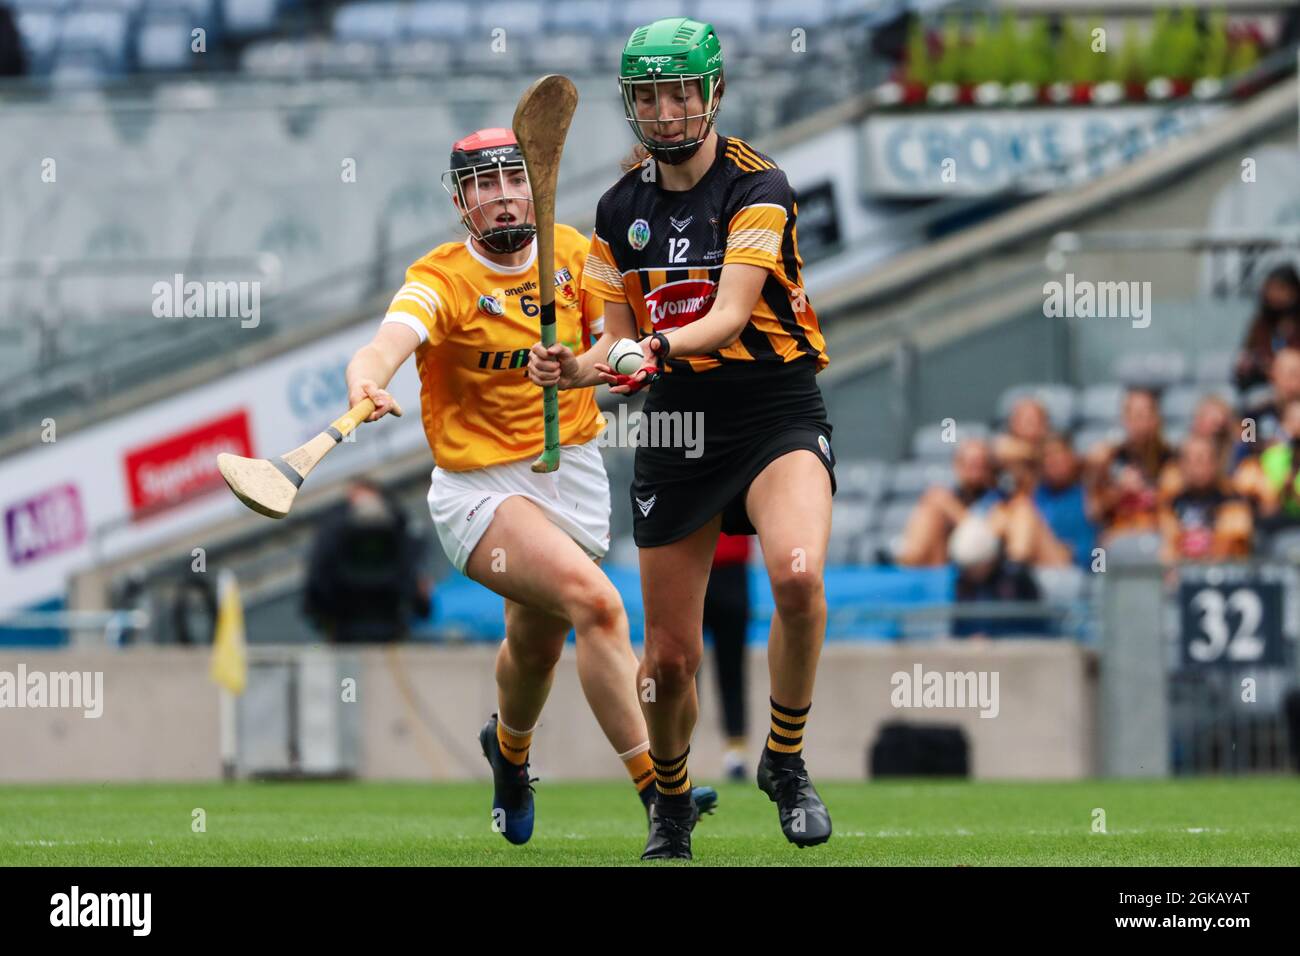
x: 674, y: 155
x: 507, y: 239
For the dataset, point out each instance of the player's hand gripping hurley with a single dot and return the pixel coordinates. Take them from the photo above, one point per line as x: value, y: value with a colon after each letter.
x: 541, y: 123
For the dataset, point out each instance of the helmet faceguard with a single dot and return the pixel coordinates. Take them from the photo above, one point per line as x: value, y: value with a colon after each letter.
x: 665, y: 56
x: 487, y: 159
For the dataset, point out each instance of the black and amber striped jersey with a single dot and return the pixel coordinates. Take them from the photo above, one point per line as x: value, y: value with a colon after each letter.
x: 662, y: 253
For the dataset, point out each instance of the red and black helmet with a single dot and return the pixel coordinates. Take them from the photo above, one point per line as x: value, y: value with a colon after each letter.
x: 483, y: 158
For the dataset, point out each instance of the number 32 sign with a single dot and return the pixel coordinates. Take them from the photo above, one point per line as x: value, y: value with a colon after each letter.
x: 1229, y: 618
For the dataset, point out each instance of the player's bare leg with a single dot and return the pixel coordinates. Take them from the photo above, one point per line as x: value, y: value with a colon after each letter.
x: 526, y: 663
x: 674, y: 578
x: 532, y: 563
x: 548, y: 582
x: 789, y: 504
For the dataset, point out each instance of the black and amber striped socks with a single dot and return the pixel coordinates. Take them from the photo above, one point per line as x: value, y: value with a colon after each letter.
x: 786, y: 736
x: 671, y: 777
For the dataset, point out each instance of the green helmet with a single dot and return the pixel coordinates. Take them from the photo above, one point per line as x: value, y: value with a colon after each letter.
x: 672, y: 51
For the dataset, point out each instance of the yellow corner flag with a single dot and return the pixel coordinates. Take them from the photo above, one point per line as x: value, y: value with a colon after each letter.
x: 229, y: 659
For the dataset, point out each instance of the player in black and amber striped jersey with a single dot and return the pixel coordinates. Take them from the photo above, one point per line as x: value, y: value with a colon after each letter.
x: 695, y: 254
x: 664, y: 259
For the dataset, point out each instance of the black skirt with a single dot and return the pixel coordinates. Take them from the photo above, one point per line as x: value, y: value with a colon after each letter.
x: 738, y: 419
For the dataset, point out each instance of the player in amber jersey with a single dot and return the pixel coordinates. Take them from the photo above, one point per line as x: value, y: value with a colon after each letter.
x: 695, y: 254
x: 468, y: 312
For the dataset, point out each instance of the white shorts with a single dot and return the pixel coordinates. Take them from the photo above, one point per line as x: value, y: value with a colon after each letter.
x: 575, y: 497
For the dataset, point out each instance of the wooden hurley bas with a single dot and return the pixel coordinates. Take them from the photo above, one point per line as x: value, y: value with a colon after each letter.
x: 269, y: 485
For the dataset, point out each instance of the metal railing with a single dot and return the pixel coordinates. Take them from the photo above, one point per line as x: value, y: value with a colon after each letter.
x: 110, y: 625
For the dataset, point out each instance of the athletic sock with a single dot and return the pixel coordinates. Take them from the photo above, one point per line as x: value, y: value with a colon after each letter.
x: 671, y: 778
x: 785, y: 740
x: 514, y: 744
x: 640, y: 767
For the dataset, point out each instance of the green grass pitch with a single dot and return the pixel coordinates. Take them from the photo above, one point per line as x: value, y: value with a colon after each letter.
x: 1168, y: 823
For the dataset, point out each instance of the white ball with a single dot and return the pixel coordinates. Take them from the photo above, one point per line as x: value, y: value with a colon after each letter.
x: 626, y: 357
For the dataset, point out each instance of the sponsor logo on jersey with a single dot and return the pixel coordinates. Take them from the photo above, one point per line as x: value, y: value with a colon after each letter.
x: 514, y: 358
x: 638, y: 234
x: 646, y: 505
x: 490, y: 305
x: 825, y: 446
x: 680, y: 303
x: 681, y: 224
x: 515, y: 290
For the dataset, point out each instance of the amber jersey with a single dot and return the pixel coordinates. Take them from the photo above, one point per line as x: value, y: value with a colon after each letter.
x: 662, y: 253
x: 477, y: 321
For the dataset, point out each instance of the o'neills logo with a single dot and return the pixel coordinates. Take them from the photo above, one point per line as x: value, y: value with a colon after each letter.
x: 680, y: 303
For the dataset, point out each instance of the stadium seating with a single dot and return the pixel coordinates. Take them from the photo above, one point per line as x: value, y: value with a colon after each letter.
x: 92, y: 41
x: 1178, y: 402
x: 931, y: 443
x: 244, y: 18
x: 386, y: 22
x: 464, y: 607
x: 95, y: 34
x: 40, y: 33
x: 1153, y: 369
x: 1100, y: 404
x: 163, y: 42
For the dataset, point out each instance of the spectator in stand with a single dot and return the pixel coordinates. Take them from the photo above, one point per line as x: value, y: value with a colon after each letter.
x: 1028, y: 427
x: 940, y: 510
x: 1061, y: 499
x: 1271, y: 479
x: 1008, y: 505
x: 726, y: 618
x: 1215, y: 419
x: 1126, y: 481
x: 1267, y: 415
x: 986, y: 572
x: 13, y: 62
x: 1206, y: 520
x: 363, y: 583
x: 1276, y: 326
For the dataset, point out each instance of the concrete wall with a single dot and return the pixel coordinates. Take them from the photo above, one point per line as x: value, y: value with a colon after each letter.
x: 422, y: 707
x: 159, y: 720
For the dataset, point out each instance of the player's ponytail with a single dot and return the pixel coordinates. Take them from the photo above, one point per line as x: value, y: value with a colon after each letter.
x: 636, y: 158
